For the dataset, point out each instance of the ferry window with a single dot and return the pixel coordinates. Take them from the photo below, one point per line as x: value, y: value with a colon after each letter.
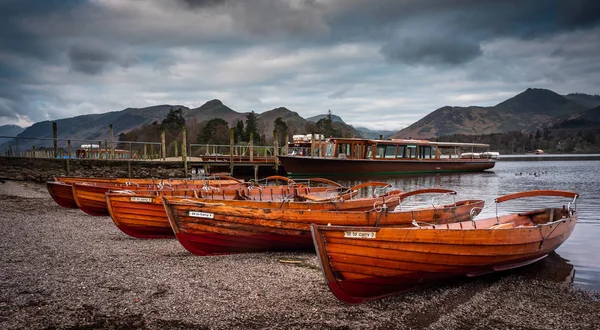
x: 356, y: 151
x: 380, y: 151
x: 401, y: 151
x: 344, y: 148
x: 390, y: 152
x: 425, y: 152
x: 411, y: 151
x: 369, y: 152
x: 329, y: 150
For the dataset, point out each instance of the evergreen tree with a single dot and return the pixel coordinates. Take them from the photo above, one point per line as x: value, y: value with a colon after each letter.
x: 239, y: 131
x: 216, y: 131
x: 282, y: 129
x: 252, y: 127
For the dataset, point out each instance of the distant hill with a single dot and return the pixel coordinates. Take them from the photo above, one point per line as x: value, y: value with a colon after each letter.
x: 588, y: 101
x: 334, y: 118
x: 9, y: 130
x: 214, y: 109
x: 527, y: 112
x: 87, y: 129
x: 374, y: 134
x: 296, y: 124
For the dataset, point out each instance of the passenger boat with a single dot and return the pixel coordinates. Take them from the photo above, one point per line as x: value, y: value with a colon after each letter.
x: 353, y: 156
x: 141, y: 214
x: 214, y: 228
x: 362, y: 263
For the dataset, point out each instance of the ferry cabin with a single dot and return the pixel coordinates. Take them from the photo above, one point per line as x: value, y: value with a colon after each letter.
x: 352, y: 148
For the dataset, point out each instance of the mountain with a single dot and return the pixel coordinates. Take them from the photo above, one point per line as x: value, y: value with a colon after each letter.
x: 87, y: 129
x: 9, y: 130
x: 295, y: 123
x: 527, y: 112
x: 374, y: 134
x: 214, y: 109
x: 334, y: 118
x: 588, y: 101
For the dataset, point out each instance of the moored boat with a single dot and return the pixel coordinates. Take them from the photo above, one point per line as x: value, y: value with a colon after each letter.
x: 61, y: 188
x: 141, y: 214
x: 61, y: 193
x: 213, y: 228
x: 362, y: 263
x: 354, y: 156
x: 90, y: 198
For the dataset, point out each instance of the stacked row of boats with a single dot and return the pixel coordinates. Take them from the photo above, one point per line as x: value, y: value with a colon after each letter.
x: 369, y: 242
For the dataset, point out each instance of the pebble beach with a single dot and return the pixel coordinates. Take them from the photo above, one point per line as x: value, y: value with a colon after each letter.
x: 63, y: 269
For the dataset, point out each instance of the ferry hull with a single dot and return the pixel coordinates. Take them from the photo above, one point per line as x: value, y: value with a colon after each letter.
x: 295, y: 165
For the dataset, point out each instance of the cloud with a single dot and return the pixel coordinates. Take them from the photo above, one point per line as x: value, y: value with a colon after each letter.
x: 399, y: 59
x: 93, y: 59
x: 433, y: 50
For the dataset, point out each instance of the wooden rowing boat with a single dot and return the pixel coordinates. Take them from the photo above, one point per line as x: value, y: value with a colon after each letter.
x: 213, y: 228
x: 61, y: 193
x: 61, y: 188
x: 141, y: 214
x: 362, y: 263
x: 90, y: 198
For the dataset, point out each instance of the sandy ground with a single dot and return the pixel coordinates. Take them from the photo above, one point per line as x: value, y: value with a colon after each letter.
x: 61, y: 268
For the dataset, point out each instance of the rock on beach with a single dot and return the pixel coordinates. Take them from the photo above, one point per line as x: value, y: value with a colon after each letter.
x: 61, y: 268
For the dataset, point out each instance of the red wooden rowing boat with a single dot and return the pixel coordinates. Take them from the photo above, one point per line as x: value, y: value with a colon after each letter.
x: 213, y: 228
x: 141, y: 214
x: 362, y: 263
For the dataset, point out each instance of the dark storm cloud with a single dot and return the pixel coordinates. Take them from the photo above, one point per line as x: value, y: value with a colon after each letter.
x: 93, y: 59
x: 433, y: 50
x: 451, y: 32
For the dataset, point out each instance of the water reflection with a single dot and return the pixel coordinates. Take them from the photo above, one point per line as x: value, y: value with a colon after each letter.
x: 553, y: 268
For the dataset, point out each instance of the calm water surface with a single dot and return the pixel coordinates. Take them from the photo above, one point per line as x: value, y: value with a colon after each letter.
x: 578, y: 259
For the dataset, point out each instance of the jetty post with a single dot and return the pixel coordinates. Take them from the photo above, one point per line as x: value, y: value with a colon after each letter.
x: 112, y: 143
x: 276, y: 150
x: 163, y: 144
x: 184, y: 151
x: 68, y: 157
x: 231, y: 142
x: 251, y: 145
x: 55, y: 138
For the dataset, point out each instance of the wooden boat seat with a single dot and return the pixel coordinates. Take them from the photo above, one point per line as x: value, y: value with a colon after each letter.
x: 503, y: 226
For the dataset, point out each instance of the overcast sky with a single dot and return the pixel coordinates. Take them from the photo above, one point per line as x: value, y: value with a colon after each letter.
x: 381, y: 64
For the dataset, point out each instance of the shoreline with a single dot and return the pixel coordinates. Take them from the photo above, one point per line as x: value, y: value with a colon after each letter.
x: 546, y: 157
x: 62, y: 268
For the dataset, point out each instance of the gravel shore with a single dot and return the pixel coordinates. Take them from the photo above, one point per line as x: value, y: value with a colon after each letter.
x: 61, y: 268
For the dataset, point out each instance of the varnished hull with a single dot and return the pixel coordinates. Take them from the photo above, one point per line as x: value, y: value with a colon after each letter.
x: 62, y: 194
x: 218, y: 229
x: 142, y: 214
x: 91, y: 199
x: 308, y: 166
x: 395, y: 260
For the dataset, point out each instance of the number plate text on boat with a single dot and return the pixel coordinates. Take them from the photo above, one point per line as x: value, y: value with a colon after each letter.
x: 201, y: 215
x: 360, y: 234
x: 141, y: 199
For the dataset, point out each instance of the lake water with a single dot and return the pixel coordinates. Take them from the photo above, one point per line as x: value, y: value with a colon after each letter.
x: 578, y: 259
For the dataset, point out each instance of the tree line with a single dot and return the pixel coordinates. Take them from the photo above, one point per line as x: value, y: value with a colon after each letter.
x: 217, y: 131
x: 565, y: 138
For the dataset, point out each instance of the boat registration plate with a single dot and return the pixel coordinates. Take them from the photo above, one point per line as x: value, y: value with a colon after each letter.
x: 141, y: 199
x: 205, y: 215
x: 360, y: 234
